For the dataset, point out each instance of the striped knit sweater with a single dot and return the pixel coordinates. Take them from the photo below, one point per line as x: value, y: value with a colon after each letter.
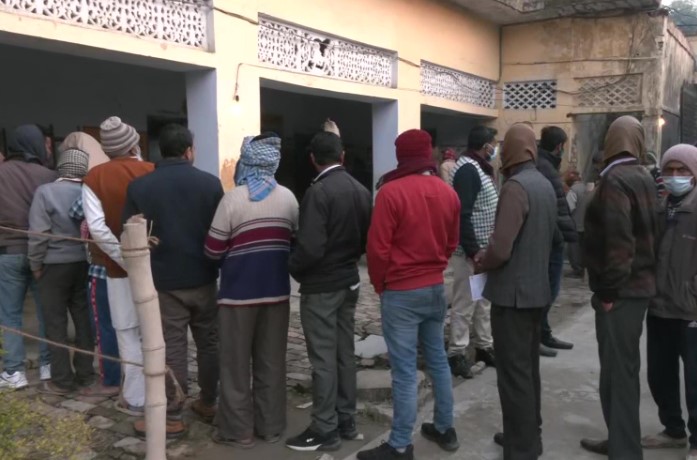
x: 253, y: 239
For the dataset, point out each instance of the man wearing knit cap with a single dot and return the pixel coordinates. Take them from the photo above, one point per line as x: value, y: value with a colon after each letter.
x: 516, y: 261
x: 671, y: 325
x: 621, y: 228
x: 104, y: 196
x: 60, y: 268
x: 414, y: 231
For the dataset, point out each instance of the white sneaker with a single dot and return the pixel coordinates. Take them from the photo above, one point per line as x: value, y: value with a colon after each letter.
x: 692, y: 455
x: 14, y: 381
x: 45, y: 372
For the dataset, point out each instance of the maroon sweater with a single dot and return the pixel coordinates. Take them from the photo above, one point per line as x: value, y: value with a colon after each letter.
x: 18, y: 182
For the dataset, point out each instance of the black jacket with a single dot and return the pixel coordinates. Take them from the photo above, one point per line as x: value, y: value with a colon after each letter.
x: 549, y: 165
x: 334, y: 221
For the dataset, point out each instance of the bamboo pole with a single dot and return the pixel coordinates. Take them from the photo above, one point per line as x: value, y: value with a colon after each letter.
x: 136, y: 254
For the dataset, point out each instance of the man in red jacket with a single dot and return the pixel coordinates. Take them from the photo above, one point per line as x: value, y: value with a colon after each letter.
x: 415, y: 229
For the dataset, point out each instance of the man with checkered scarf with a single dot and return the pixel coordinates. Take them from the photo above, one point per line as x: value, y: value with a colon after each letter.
x: 473, y: 180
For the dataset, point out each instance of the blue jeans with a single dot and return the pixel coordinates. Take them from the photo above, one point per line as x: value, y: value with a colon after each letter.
x: 410, y: 318
x: 15, y: 279
x: 556, y: 267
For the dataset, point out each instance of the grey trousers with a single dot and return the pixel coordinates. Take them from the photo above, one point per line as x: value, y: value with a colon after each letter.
x: 256, y: 335
x: 619, y: 332
x: 328, y: 324
x: 196, y: 309
x: 517, y: 343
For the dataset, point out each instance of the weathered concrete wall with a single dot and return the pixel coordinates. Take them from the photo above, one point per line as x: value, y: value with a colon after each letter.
x: 679, y: 67
x: 613, y: 56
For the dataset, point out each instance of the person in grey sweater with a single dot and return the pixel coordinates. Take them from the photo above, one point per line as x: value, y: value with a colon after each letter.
x: 60, y: 268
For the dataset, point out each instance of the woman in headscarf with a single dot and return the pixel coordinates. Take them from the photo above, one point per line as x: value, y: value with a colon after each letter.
x: 251, y: 233
x: 86, y: 143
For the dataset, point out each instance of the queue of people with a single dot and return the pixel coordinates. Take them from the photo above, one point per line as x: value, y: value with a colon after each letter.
x: 214, y: 247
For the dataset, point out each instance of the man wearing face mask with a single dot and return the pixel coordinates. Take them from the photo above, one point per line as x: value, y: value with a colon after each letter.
x: 180, y: 202
x: 671, y: 324
x: 549, y: 157
x: 473, y: 181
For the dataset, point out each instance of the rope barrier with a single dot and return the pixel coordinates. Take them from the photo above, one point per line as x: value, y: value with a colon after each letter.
x: 152, y: 240
x: 179, y: 397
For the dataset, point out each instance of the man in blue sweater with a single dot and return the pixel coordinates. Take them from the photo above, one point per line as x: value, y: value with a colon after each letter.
x: 180, y: 201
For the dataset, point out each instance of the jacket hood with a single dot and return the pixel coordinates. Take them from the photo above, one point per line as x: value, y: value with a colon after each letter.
x: 86, y: 143
x: 519, y: 146
x: 27, y: 142
x: 624, y: 137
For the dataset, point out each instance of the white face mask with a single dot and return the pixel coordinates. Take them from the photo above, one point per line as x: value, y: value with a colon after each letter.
x: 679, y: 185
x: 495, y: 152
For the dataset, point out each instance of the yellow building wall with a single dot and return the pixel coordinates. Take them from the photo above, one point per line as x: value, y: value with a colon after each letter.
x: 417, y: 30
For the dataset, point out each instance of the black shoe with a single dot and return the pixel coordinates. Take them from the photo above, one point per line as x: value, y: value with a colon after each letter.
x: 310, y: 441
x: 386, y: 452
x: 347, y: 429
x: 487, y: 356
x: 595, y: 446
x: 547, y: 352
x: 498, y: 439
x: 446, y: 441
x: 460, y: 367
x: 553, y: 342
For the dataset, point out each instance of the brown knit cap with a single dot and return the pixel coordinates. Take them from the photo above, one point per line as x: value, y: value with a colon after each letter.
x: 625, y: 136
x: 519, y: 146
x: 118, y: 138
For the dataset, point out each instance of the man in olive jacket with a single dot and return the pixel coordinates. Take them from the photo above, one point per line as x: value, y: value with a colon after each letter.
x: 671, y: 325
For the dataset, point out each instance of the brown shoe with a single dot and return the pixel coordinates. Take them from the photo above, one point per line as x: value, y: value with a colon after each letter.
x: 203, y: 410
x: 175, y: 428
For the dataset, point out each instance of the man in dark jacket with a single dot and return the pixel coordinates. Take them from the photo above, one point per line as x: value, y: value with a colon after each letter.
x: 181, y: 201
x: 549, y: 156
x: 334, y: 221
x: 20, y: 175
x: 671, y: 325
x: 619, y: 248
x: 517, y: 261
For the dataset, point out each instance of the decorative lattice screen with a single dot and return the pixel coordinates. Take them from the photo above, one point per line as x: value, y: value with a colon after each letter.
x: 456, y: 86
x: 530, y: 95
x: 611, y: 91
x: 179, y: 22
x: 290, y: 47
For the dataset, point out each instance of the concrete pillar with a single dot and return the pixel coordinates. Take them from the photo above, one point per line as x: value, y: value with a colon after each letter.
x: 389, y: 120
x: 202, y: 108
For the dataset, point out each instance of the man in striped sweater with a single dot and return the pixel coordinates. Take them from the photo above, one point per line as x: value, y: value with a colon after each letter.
x: 251, y: 234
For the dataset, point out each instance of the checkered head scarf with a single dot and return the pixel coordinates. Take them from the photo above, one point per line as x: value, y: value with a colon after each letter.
x: 258, y: 164
x: 73, y: 164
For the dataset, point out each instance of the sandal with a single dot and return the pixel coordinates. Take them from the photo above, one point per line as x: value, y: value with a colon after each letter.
x: 50, y: 388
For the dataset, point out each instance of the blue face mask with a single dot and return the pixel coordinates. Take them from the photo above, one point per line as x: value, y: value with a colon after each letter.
x: 679, y: 185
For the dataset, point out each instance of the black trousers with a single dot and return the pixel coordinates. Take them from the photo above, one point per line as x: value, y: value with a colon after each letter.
x: 63, y: 290
x: 619, y: 332
x: 668, y: 341
x: 517, y: 343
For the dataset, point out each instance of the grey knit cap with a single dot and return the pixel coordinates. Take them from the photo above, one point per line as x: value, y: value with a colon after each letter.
x: 117, y: 137
x: 73, y: 164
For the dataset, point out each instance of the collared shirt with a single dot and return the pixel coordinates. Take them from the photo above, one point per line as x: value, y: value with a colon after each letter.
x: 325, y: 172
x: 97, y: 271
